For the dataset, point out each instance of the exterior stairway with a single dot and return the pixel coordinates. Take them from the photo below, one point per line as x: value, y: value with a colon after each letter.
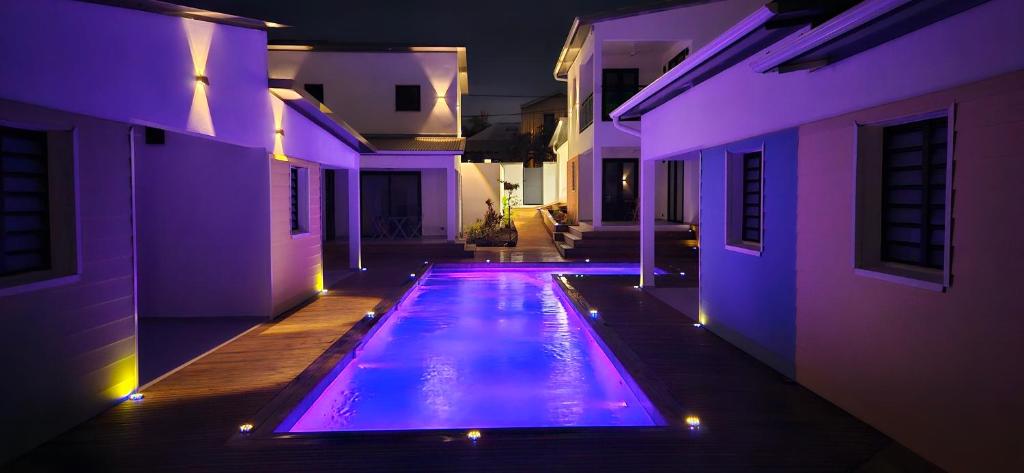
x: 583, y: 242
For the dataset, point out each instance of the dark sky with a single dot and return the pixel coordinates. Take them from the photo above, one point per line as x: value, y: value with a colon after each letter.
x: 512, y: 45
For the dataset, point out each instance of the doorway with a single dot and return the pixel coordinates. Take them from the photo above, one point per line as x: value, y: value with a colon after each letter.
x: 619, y: 189
x: 391, y: 208
x: 674, y: 192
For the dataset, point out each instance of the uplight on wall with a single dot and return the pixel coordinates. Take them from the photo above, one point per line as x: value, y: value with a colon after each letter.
x: 203, y: 79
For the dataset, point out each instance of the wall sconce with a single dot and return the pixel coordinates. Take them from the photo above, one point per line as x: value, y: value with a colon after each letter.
x: 279, y: 131
x: 441, y: 97
x: 203, y: 79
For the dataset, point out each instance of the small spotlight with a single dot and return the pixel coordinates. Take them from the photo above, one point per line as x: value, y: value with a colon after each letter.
x: 412, y: 275
x: 682, y: 274
x: 488, y: 261
x: 203, y: 79
x: 593, y: 313
x: 323, y: 292
x: 371, y: 314
x: 698, y: 324
x: 636, y: 287
x: 136, y: 396
x: 587, y: 260
x: 693, y: 422
x: 245, y: 428
x: 279, y: 131
x: 473, y: 435
x: 362, y: 269
x: 426, y: 263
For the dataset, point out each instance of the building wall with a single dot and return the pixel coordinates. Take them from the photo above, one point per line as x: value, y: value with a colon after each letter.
x: 296, y: 261
x: 513, y: 174
x: 750, y: 300
x: 532, y: 118
x: 562, y: 155
x: 366, y: 99
x: 70, y: 347
x: 434, y: 199
x: 137, y: 67
x: 202, y: 245
x: 479, y: 183
x: 906, y: 360
x: 551, y: 180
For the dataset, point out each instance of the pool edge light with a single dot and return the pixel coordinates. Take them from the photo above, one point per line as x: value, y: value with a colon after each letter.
x: 473, y: 435
x: 136, y: 396
x: 693, y: 422
x: 245, y: 428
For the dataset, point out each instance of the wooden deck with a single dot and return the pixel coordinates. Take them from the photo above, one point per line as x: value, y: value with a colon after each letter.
x: 752, y: 418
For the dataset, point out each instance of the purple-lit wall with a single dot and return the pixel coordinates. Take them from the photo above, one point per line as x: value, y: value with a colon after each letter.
x: 296, y: 264
x: 938, y: 371
x: 203, y: 228
x: 69, y: 345
x: 137, y: 67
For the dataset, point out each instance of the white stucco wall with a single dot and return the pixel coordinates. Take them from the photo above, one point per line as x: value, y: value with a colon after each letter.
x: 360, y: 87
x: 479, y: 183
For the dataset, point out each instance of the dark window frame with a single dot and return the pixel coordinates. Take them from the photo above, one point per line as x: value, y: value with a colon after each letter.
x: 676, y: 60
x: 293, y: 179
x: 615, y: 94
x: 752, y: 189
x: 408, y: 103
x: 42, y: 234
x: 926, y: 207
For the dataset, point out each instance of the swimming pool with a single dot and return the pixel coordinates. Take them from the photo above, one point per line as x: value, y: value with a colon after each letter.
x: 479, y: 347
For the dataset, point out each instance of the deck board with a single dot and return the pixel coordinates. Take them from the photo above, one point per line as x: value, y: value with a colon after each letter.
x: 754, y: 419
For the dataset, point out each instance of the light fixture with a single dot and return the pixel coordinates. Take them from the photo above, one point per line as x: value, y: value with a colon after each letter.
x: 245, y: 428
x: 698, y: 324
x: 636, y: 287
x: 473, y: 435
x: 362, y: 269
x: 203, y: 79
x: 587, y: 260
x: 693, y: 422
x: 488, y: 261
x: 323, y: 292
x: 426, y: 263
x: 279, y: 131
x: 136, y: 396
x: 682, y: 274
x: 412, y: 275
x: 593, y: 313
x: 371, y: 314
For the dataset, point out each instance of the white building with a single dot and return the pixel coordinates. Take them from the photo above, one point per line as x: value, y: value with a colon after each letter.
x: 606, y: 59
x: 405, y: 100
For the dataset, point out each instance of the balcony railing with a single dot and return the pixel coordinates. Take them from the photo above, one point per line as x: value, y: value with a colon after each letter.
x: 586, y: 112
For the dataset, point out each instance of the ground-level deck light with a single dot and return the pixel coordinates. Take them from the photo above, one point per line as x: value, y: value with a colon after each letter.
x: 586, y: 260
x: 593, y: 313
x: 681, y: 274
x: 698, y: 324
x: 363, y: 268
x: 693, y: 422
x: 412, y: 275
x: 473, y: 435
x: 323, y: 292
x: 245, y: 428
x: 370, y: 314
x: 136, y: 396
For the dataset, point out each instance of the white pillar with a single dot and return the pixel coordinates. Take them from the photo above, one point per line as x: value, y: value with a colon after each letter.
x: 355, y: 239
x: 647, y: 186
x: 453, y: 195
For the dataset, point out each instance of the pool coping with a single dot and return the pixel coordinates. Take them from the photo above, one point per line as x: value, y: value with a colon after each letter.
x: 666, y: 410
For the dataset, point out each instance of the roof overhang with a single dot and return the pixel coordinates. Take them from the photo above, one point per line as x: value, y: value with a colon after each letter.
x: 324, y: 46
x: 314, y: 111
x: 182, y: 11
x: 862, y: 27
x: 767, y: 25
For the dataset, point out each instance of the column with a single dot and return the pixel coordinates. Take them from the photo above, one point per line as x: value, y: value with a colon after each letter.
x: 355, y: 239
x: 647, y: 185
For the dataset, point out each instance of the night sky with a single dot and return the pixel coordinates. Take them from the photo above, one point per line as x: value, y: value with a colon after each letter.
x: 512, y: 46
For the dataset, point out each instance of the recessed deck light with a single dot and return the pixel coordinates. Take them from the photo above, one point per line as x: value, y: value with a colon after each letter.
x: 698, y: 324
x: 412, y: 275
x: 693, y: 422
x: 593, y: 313
x: 362, y: 269
x: 488, y: 261
x: 473, y: 435
x: 587, y: 260
x: 245, y: 428
x: 371, y: 314
x: 136, y: 396
x: 682, y: 274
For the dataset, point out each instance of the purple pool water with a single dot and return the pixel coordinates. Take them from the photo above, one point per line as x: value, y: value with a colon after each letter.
x: 478, y: 348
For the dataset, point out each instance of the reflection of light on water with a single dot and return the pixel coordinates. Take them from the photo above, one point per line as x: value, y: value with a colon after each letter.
x: 440, y: 385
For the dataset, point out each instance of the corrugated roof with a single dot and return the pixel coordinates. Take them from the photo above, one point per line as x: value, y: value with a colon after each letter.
x: 415, y: 143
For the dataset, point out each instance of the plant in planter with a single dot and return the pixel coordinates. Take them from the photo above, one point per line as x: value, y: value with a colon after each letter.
x: 508, y: 200
x: 492, y: 230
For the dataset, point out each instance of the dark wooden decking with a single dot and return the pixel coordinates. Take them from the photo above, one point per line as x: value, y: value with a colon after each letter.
x: 753, y: 419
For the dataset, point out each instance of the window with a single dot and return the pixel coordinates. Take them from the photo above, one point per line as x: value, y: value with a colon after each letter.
x: 24, y: 202
x: 38, y: 237
x: 299, y: 185
x: 678, y: 58
x: 903, y: 195
x: 572, y: 176
x: 744, y: 192
x: 617, y: 86
x: 316, y: 91
x: 407, y: 98
x: 586, y: 112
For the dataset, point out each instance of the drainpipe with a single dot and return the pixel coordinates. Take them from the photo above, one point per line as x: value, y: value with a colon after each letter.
x: 623, y: 128
x: 135, y: 252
